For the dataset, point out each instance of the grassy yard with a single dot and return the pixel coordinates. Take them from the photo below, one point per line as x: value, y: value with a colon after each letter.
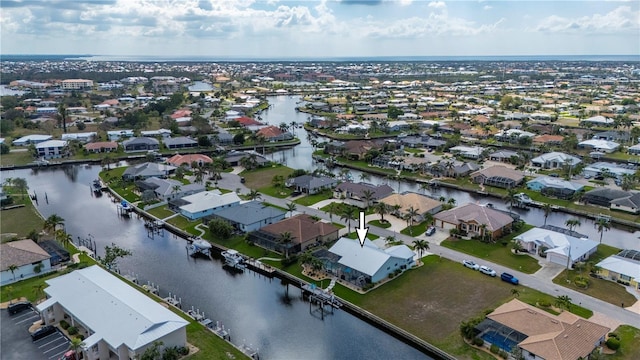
x: 604, y: 290
x: 20, y: 221
x: 16, y: 158
x: 161, y: 212
x: 312, y: 199
x: 370, y: 236
x: 496, y: 252
x: 379, y: 224
x: 415, y: 230
x: 261, y: 178
x: 210, y: 346
x: 629, y: 344
x: 184, y: 224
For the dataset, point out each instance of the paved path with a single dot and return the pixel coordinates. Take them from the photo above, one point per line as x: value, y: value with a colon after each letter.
x: 599, y: 307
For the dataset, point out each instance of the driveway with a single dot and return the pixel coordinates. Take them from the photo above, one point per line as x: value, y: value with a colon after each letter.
x: 17, y: 345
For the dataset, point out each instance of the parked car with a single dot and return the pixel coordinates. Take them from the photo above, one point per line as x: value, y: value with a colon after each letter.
x: 42, y: 332
x: 554, y: 175
x: 242, y: 180
x: 430, y: 231
x: 18, y: 307
x: 470, y: 264
x: 509, y: 278
x: 487, y: 271
x: 69, y: 355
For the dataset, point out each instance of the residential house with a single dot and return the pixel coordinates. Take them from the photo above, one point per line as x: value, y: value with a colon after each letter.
x: 234, y: 158
x: 310, y: 184
x: 402, y: 203
x: 547, y: 139
x: 147, y: 170
x: 180, y: 142
x: 504, y: 156
x: 52, y: 149
x: 101, y: 146
x: 623, y: 267
x: 84, y: 137
x: 361, y: 265
x: 188, y: 159
x: 604, y: 146
x: 475, y: 220
x: 634, y: 150
x: 205, y: 203
x: 539, y: 334
x: 160, y: 133
x: 28, y: 257
x: 361, y: 194
x: 616, y: 136
x: 598, y: 120
x: 115, y: 320
x: 249, y: 216
x: 604, y: 196
x: 617, y: 170
x: 140, y: 144
x: 555, y: 160
x: 558, y: 248
x: 115, y: 135
x: 498, y: 176
x: 273, y: 134
x: 630, y: 203
x: 305, y: 231
x: 469, y: 152
x: 168, y: 189
x: 31, y: 139
x: 423, y: 141
x: 551, y: 186
x: 357, y: 149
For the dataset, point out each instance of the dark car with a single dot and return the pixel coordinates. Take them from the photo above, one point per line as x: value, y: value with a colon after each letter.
x: 242, y: 180
x: 18, y: 307
x: 42, y: 332
x: 430, y: 231
x: 509, y: 278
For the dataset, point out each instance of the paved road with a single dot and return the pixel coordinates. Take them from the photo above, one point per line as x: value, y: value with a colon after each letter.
x: 232, y: 181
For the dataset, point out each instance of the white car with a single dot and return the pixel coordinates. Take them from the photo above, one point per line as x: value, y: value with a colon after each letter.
x: 487, y: 270
x: 470, y: 264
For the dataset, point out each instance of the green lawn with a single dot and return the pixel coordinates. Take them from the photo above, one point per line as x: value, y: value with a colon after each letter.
x: 312, y: 199
x: 160, y: 212
x: 370, y: 236
x: 20, y: 221
x: 629, y: 343
x: 379, y: 224
x: 605, y: 290
x: 261, y: 178
x: 416, y: 229
x: 16, y: 158
x: 183, y: 223
x: 210, y: 346
x: 496, y: 252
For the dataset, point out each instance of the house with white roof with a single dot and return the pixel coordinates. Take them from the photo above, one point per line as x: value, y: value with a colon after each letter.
x: 614, y: 169
x: 84, y: 137
x: 554, y: 160
x: 469, y: 152
x: 52, y: 149
x: 559, y: 248
x: 31, y: 139
x: 604, y: 146
x: 634, y: 150
x: 598, y: 120
x: 116, y: 320
x: 361, y: 265
x: 205, y: 203
x: 622, y: 267
x: 552, y: 186
x: 156, y: 133
x: 115, y: 135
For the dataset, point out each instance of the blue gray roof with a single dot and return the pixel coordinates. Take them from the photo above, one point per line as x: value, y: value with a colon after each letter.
x: 249, y: 213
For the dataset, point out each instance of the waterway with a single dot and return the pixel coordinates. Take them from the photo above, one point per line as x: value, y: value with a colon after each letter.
x: 255, y: 308
x: 282, y: 109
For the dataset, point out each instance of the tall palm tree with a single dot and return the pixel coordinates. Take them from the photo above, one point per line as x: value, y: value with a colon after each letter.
x: 367, y: 196
x: 515, y: 292
x: 572, y: 223
x: 331, y: 209
x: 348, y: 214
x: 451, y: 201
x: 364, y: 176
x: 254, y: 195
x: 175, y: 189
x: 547, y: 211
x: 38, y: 291
x: 291, y: 207
x: 602, y: 225
x: 411, y: 213
x: 76, y: 344
x: 64, y: 238
x: 52, y: 222
x: 13, y: 268
x: 381, y: 209
x: 511, y: 197
x: 285, y: 239
x: 420, y: 246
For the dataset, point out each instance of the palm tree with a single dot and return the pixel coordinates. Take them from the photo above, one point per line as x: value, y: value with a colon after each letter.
x: 76, y: 344
x: 511, y: 197
x: 64, y: 238
x: 411, y: 213
x: 348, y: 214
x: 515, y: 292
x: 331, y: 209
x: 421, y: 246
x: 291, y: 207
x: 451, y: 201
x: 517, y: 246
x: 563, y: 302
x: 381, y: 209
x: 364, y: 176
x: 367, y: 196
x: 52, y: 222
x: 424, y: 187
x: 38, y: 291
x: 254, y: 195
x: 602, y: 225
x: 13, y: 268
x: 547, y: 211
x: 572, y: 223
x: 285, y: 239
x: 175, y: 189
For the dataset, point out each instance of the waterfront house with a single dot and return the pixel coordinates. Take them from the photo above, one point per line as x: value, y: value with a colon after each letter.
x: 188, y: 159
x: 248, y: 216
x: 604, y: 146
x: 29, y: 258
x: 168, y: 189
x: 305, y: 231
x: 356, y: 193
x: 617, y: 170
x: 469, y: 152
x: 140, y: 144
x: 31, y: 139
x: 475, y: 220
x: 559, y: 248
x: 623, y: 267
x: 101, y: 146
x: 598, y: 120
x: 362, y: 265
x: 180, y: 142
x: 554, y: 160
x: 310, y: 184
x: 629, y: 203
x: 498, y: 176
x: 504, y: 156
x: 539, y: 334
x: 548, y: 139
x: 401, y: 203
x: 552, y: 186
x: 634, y: 150
x: 357, y: 149
x: 147, y: 170
x: 52, y: 149
x: 617, y: 136
x: 161, y: 133
x: 115, y: 135
x: 234, y: 158
x: 205, y: 203
x: 115, y: 320
x: 84, y: 137
x: 604, y: 196
x: 273, y: 134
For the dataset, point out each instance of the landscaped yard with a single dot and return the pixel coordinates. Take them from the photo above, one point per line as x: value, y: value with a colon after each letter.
x: 312, y: 199
x: 379, y: 224
x: 160, y: 212
x: 605, y: 290
x: 496, y: 252
x: 629, y: 343
x: 416, y: 229
x: 186, y: 225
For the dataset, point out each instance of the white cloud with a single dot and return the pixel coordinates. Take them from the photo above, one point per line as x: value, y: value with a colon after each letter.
x: 621, y: 19
x: 437, y: 5
x: 487, y: 7
x: 405, y: 2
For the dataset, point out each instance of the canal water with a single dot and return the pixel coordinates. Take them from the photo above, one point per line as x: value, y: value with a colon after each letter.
x: 255, y: 308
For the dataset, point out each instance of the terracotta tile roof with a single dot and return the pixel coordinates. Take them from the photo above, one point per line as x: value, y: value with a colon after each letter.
x: 101, y: 145
x: 177, y: 160
x: 473, y: 212
x: 21, y: 252
x: 247, y: 121
x: 181, y: 113
x: 302, y: 227
x: 543, y: 139
x: 270, y: 132
x: 421, y: 203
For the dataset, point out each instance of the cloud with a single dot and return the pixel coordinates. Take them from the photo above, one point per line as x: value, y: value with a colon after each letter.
x: 621, y: 19
x: 362, y: 2
x: 487, y: 7
x: 437, y: 5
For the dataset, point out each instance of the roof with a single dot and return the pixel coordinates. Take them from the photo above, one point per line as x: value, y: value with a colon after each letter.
x: 101, y: 144
x: 358, y: 189
x: 600, y: 144
x: 421, y: 203
x: 141, y: 140
x: 473, y: 212
x: 164, y: 187
x: 148, y: 169
x: 607, y: 193
x: 51, y: 143
x: 207, y: 200
x: 249, y: 212
x: 178, y: 159
x: 270, y: 132
x: 558, y: 243
x: 179, y: 141
x: 302, y: 228
x: 113, y: 310
x: 21, y: 252
x: 557, y: 157
x: 367, y: 259
x: 632, y: 201
x: 622, y: 265
x: 312, y: 182
x: 500, y: 171
x: 556, y: 183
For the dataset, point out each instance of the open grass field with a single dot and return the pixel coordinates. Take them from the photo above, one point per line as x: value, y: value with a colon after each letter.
x: 262, y: 178
x: 161, y: 212
x: 16, y: 158
x: 312, y: 199
x: 20, y: 221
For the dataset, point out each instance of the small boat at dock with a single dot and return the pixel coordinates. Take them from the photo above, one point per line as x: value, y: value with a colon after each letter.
x: 234, y: 259
x: 199, y: 247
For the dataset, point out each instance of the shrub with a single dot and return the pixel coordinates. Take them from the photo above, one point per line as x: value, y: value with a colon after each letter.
x: 291, y: 260
x: 477, y: 341
x: 183, y: 350
x: 81, y: 337
x: 63, y: 324
x: 503, y: 354
x: 614, y: 335
x: 613, y: 343
x: 544, y: 303
x: 72, y: 330
x: 390, y: 275
x: 494, y: 349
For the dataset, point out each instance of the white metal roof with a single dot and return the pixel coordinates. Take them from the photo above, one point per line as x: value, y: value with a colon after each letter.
x: 207, y: 200
x: 369, y: 258
x: 622, y: 266
x: 558, y: 243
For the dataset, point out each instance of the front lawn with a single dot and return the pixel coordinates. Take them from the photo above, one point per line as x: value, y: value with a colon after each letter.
x: 370, y: 236
x: 415, y: 230
x: 497, y: 252
x: 379, y: 224
x: 315, y: 198
x: 602, y: 289
x: 629, y: 343
x: 160, y: 212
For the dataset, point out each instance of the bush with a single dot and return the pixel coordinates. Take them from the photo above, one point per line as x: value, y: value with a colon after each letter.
x: 183, y: 350
x: 613, y: 343
x: 494, y: 349
x: 81, y: 337
x: 291, y: 260
x: 477, y: 341
x: 544, y: 303
x: 614, y: 335
x: 503, y: 354
x: 390, y: 275
x: 72, y: 330
x: 63, y: 324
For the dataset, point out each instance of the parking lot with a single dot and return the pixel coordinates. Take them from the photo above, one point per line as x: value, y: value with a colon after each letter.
x: 16, y: 342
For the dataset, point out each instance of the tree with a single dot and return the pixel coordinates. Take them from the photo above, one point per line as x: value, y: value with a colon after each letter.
x: 76, y: 344
x: 112, y: 254
x: 62, y: 116
x: 52, y: 222
x: 21, y: 185
x: 411, y: 213
x: 152, y: 352
x: 254, y: 195
x: 367, y: 196
x: 220, y: 228
x: 285, y: 239
x: 547, y: 211
x: 38, y: 290
x: 572, y: 223
x: 381, y: 209
x: 63, y: 237
x: 515, y: 292
x: 291, y: 207
x: 420, y: 246
x: 563, y: 302
x: 517, y: 246
x: 364, y: 176
x: 13, y: 268
x: 602, y: 225
x: 348, y: 214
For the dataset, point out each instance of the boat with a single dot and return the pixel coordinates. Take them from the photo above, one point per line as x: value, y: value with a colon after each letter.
x: 199, y: 247
x: 523, y: 198
x: 97, y: 187
x: 233, y: 259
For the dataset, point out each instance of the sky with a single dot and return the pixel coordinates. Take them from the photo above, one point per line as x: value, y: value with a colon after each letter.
x: 319, y: 29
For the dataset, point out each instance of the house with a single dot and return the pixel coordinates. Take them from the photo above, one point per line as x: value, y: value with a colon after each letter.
x: 498, y: 176
x: 140, y: 144
x: 622, y: 267
x: 630, y: 203
x: 361, y: 265
x: 234, y: 158
x: 616, y: 170
x: 604, y: 146
x: 539, y: 334
x: 84, y: 137
x: 168, y: 189
x: 205, y: 203
x: 634, y: 150
x: 469, y: 152
x: 188, y: 159
x: 273, y: 134
x: 76, y: 84
x: 475, y: 220
x: 115, y: 320
x: 249, y: 216
x: 163, y: 133
x: 604, y: 196
x: 115, y: 135
x: 305, y: 231
x: 356, y: 193
x: 180, y: 142
x: 402, y: 203
x: 555, y: 160
x: 504, y: 156
x: 559, y: 248
x: 31, y: 139
x: 357, y: 149
x: 310, y: 184
x: 101, y: 146
x: 617, y: 136
x: 426, y: 142
x: 551, y: 186
x: 147, y: 170
x: 28, y: 257
x: 52, y: 149
x: 548, y: 139
x: 597, y: 121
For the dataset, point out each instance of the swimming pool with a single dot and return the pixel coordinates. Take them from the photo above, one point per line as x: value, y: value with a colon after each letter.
x: 503, y: 342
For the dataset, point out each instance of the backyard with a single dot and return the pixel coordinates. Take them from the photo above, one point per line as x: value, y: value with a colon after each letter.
x: 19, y: 222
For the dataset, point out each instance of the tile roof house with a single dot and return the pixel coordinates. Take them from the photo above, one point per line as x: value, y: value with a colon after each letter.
x: 554, y: 160
x: 310, y: 184
x: 181, y: 142
x: 102, y: 146
x: 140, y: 144
x: 273, y: 134
x: 356, y: 193
x: 475, y: 220
x: 188, y: 159
x: 357, y: 149
x: 541, y: 335
x: 26, y: 255
x: 498, y: 176
x: 305, y: 232
x: 147, y: 170
x: 548, y: 139
x: 249, y: 216
x: 403, y: 202
x: 561, y: 249
x: 116, y: 320
x: 624, y: 266
x: 361, y: 265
